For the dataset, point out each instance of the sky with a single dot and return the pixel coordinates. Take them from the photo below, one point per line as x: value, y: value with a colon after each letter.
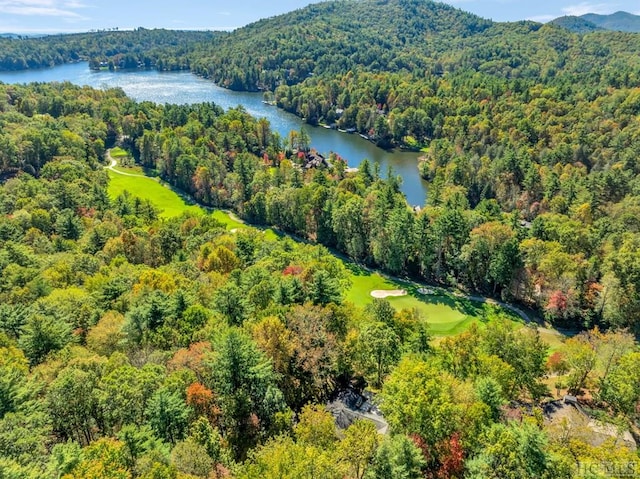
x: 52, y: 16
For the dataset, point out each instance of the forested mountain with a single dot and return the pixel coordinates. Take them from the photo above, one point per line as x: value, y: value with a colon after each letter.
x: 309, y: 59
x: 395, y: 70
x: 161, y: 49
x: 553, y: 145
x: 335, y: 37
x: 619, y: 21
x: 136, y: 345
x: 576, y: 24
x: 413, y: 36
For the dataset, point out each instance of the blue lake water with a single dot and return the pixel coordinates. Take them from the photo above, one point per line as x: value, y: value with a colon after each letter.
x: 184, y: 87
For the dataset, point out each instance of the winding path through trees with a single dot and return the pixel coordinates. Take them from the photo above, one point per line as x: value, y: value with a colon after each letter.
x: 113, y: 163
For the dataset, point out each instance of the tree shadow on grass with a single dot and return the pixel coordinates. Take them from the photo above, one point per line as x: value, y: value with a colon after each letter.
x: 357, y: 270
x: 184, y: 196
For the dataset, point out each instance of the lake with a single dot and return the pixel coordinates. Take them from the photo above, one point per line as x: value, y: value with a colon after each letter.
x: 184, y: 87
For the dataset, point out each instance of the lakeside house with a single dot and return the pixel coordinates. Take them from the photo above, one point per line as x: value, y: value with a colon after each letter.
x: 313, y: 159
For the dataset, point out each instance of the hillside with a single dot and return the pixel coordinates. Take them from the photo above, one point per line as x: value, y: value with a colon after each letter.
x: 334, y: 37
x: 372, y: 65
x: 141, y: 344
x: 619, y: 21
x: 410, y: 36
x: 576, y: 24
x: 137, y: 343
x: 162, y: 49
x: 590, y: 22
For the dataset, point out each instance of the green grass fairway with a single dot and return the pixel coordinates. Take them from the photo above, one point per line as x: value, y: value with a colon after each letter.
x: 555, y: 339
x: 446, y: 314
x: 227, y: 220
x: 130, y: 170
x: 163, y: 197
x: 118, y: 152
x: 270, y: 235
x: 146, y: 188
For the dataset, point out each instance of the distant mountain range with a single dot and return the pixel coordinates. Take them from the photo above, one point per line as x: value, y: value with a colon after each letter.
x: 22, y: 35
x: 591, y: 22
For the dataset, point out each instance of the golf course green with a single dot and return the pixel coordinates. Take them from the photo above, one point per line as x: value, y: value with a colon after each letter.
x: 446, y: 313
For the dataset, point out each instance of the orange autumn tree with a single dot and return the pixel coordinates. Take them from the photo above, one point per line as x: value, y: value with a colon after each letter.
x: 202, y: 400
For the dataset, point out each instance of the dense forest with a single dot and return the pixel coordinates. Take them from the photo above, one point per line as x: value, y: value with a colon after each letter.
x: 140, y: 48
x: 551, y: 233
x: 135, y: 346
x: 575, y: 24
x: 531, y: 158
x: 396, y: 70
x: 138, y: 345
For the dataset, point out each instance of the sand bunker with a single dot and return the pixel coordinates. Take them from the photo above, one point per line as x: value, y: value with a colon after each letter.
x: 388, y: 293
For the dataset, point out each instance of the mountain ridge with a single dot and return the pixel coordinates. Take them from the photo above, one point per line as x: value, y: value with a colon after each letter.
x: 416, y: 37
x: 576, y: 24
x: 333, y: 37
x: 616, y: 22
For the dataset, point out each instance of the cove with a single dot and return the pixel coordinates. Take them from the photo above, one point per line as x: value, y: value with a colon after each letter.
x: 184, y: 87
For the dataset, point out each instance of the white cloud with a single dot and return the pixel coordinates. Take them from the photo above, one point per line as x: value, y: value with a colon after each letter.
x: 42, y: 8
x: 541, y: 18
x: 586, y: 7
